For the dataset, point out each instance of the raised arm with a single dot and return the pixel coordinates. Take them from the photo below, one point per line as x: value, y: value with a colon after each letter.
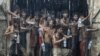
x: 11, y: 13
x: 88, y: 15
x: 91, y: 29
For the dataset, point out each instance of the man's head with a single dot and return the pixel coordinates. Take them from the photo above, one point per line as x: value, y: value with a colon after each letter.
x: 60, y: 30
x: 44, y: 16
x: 82, y: 16
x: 49, y: 18
x: 51, y: 24
x: 23, y: 13
x: 57, y: 19
x: 10, y: 23
x: 17, y: 11
x: 65, y: 14
x: 75, y: 17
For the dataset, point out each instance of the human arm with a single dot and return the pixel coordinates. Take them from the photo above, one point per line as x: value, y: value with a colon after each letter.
x: 9, y: 30
x: 58, y: 41
x: 11, y: 13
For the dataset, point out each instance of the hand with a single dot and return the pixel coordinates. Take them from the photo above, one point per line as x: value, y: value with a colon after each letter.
x: 16, y: 31
x: 64, y: 38
x: 67, y: 36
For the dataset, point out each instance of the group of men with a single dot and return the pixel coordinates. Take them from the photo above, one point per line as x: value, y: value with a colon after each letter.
x: 28, y: 35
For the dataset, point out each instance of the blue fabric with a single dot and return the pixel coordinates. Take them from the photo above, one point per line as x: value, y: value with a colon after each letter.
x: 23, y: 39
x: 48, y: 49
x: 74, y: 42
x: 75, y: 46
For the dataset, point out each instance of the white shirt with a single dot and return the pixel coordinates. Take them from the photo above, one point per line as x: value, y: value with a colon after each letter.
x: 30, y: 21
x: 40, y: 31
x: 80, y: 24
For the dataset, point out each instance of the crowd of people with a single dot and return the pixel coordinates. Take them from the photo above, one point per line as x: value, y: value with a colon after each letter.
x: 28, y: 35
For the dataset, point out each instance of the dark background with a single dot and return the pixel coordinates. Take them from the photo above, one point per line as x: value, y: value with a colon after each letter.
x: 55, y: 7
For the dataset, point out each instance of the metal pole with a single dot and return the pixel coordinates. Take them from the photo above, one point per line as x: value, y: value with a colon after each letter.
x: 69, y: 9
x: 27, y: 4
x: 6, y: 46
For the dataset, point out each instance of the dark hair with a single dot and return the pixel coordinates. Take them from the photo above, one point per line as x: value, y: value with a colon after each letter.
x: 41, y: 21
x: 82, y: 15
x: 86, y: 22
x: 17, y: 11
x: 27, y: 16
x: 10, y: 23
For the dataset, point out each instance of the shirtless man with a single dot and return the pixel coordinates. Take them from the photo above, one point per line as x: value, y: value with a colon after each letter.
x: 10, y: 28
x: 10, y: 36
x: 47, y: 40
x: 64, y: 22
x: 75, y: 39
x: 19, y: 22
x: 58, y: 38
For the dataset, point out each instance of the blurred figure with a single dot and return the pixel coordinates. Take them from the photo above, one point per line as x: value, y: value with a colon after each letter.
x: 64, y: 22
x: 57, y: 24
x: 85, y: 33
x: 47, y: 40
x: 58, y: 39
x: 11, y: 40
x: 75, y: 38
x: 9, y: 36
x: 66, y: 44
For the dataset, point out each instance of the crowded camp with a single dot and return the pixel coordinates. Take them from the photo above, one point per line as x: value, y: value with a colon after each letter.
x: 49, y: 28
